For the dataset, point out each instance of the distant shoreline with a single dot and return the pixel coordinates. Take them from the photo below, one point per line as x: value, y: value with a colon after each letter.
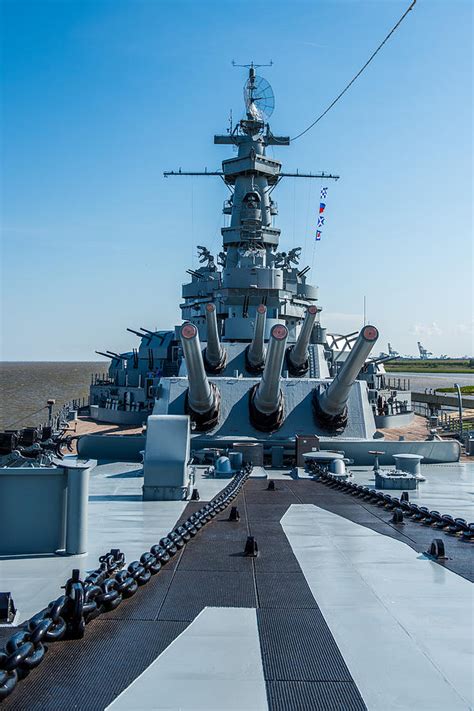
x: 9, y: 362
x: 432, y: 365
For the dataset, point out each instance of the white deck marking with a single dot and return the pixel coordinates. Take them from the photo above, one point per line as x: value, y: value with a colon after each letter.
x: 118, y: 518
x: 403, y: 623
x: 214, y: 664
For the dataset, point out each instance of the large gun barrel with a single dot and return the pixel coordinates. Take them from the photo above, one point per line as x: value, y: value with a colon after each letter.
x: 140, y: 335
x: 215, y: 354
x: 106, y: 355
x: 266, y: 398
x: 116, y: 355
x: 331, y: 404
x: 384, y: 359
x: 298, y: 362
x: 202, y: 397
x: 255, y: 352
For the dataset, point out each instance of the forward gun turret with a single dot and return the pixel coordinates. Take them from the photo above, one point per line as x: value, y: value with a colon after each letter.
x: 330, y: 405
x: 266, y: 398
x: 202, y: 397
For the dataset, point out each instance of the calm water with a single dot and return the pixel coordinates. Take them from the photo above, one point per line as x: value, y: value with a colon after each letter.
x: 420, y: 381
x: 25, y: 387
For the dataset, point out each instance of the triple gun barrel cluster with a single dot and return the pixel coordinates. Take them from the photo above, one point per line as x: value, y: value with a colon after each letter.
x: 266, y: 402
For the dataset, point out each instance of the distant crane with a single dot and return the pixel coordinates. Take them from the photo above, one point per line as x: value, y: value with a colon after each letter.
x: 392, y: 352
x: 424, y: 354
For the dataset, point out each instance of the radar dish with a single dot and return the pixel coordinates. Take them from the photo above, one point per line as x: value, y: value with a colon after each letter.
x: 259, y: 98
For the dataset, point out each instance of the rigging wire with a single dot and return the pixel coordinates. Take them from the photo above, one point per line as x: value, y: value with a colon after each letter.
x: 306, y: 227
x: 294, y: 212
x: 22, y: 419
x: 354, y: 78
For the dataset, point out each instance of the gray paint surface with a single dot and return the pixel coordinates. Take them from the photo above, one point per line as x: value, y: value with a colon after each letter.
x: 297, y: 393
x: 214, y: 664
x: 401, y: 621
x: 118, y: 518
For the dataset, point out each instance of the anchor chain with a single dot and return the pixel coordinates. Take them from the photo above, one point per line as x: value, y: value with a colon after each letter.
x: 421, y: 514
x: 101, y: 591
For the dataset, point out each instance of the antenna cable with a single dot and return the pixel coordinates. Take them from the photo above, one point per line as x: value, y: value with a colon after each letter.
x: 394, y: 28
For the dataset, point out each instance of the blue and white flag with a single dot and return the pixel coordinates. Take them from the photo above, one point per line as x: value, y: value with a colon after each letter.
x: 320, y: 220
x: 324, y: 193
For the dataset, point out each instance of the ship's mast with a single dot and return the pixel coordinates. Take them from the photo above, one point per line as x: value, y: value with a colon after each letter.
x: 253, y: 272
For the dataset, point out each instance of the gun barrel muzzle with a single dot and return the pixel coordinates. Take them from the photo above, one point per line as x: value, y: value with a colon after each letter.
x: 331, y: 404
x: 214, y: 355
x: 200, y: 394
x: 256, y: 349
x: 298, y: 355
x: 266, y: 399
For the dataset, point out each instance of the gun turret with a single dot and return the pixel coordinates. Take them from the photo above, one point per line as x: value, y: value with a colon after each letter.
x: 297, y: 356
x: 266, y: 398
x: 215, y: 355
x: 330, y: 405
x: 202, y: 397
x: 255, y: 351
x: 116, y: 355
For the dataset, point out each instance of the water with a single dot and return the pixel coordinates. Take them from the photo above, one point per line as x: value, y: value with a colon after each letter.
x: 25, y: 387
x: 420, y: 381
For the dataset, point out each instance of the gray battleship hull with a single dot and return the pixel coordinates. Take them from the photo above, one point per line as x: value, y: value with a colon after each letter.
x: 199, y: 566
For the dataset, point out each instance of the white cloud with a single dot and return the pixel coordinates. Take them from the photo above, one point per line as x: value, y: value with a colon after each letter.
x: 464, y: 328
x: 426, y: 329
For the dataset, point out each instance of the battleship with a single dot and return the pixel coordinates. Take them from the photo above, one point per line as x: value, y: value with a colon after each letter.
x: 260, y: 542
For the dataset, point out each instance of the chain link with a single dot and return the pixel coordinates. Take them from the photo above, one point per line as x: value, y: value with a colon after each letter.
x: 421, y: 514
x: 101, y: 591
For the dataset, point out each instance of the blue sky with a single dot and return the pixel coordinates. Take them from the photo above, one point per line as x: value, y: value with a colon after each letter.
x: 101, y: 96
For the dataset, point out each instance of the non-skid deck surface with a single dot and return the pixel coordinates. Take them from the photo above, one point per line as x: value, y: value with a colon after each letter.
x: 302, y: 664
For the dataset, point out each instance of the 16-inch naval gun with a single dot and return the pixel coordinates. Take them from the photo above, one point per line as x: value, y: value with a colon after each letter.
x: 330, y: 403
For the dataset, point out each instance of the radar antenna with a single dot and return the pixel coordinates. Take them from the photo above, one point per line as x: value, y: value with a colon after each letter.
x: 258, y: 97
x: 258, y: 94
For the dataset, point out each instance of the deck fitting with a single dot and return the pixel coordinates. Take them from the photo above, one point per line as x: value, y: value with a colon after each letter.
x: 437, y: 549
x: 7, y: 608
x: 251, y: 547
x: 397, y: 516
x: 234, y: 514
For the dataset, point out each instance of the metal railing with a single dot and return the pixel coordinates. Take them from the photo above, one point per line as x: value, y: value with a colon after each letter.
x: 387, y: 383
